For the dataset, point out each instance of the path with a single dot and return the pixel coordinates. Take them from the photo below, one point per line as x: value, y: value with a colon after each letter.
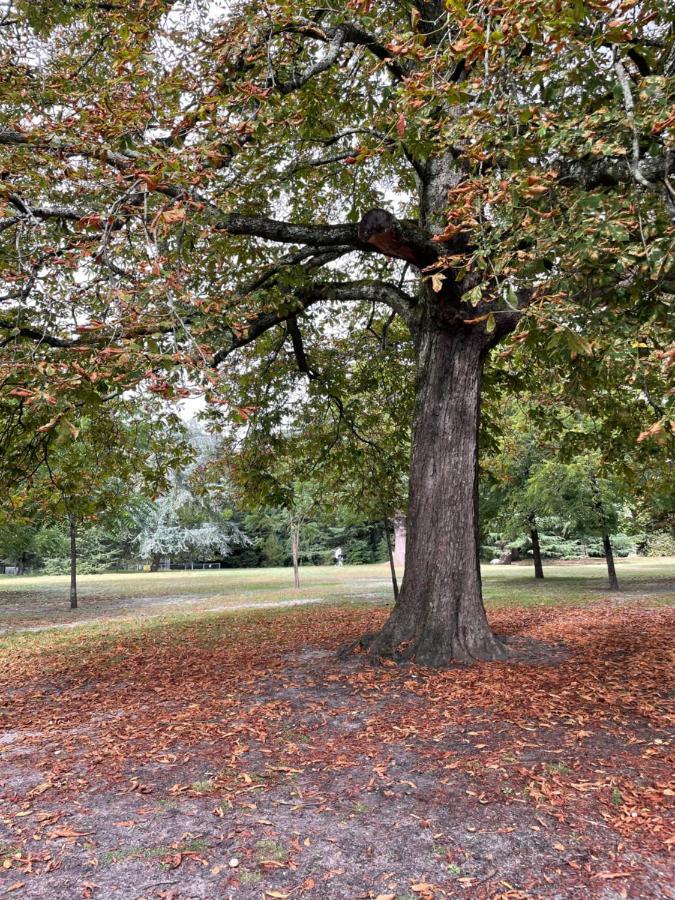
x: 235, y: 607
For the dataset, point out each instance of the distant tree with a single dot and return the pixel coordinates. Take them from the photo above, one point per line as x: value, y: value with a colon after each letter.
x: 93, y: 465
x: 512, y: 508
x: 273, y: 553
x: 179, y: 524
x: 582, y: 494
x: 17, y: 543
x: 193, y: 516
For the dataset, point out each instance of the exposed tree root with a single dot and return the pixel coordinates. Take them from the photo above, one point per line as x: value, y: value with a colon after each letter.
x: 382, y: 645
x: 362, y: 643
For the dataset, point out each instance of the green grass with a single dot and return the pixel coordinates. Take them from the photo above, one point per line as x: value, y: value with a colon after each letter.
x: 112, y: 857
x: 163, y: 598
x: 206, y: 786
x: 267, y: 849
x: 38, y: 600
x: 246, y: 583
x: 238, y: 583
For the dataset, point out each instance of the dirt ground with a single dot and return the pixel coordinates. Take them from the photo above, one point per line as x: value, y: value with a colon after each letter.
x: 234, y: 756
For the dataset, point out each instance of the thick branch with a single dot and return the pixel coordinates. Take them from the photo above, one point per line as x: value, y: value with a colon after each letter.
x: 629, y: 106
x: 290, y: 232
x: 392, y: 237
x: 337, y: 37
x: 377, y: 292
x: 33, y: 334
x: 299, y: 347
x: 609, y: 171
x: 321, y: 65
x: 378, y: 230
x: 100, y: 152
x: 310, y: 256
x: 305, y: 297
x: 46, y: 212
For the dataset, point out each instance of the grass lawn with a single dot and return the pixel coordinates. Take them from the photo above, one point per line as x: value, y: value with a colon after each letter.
x: 43, y: 600
x: 196, y: 739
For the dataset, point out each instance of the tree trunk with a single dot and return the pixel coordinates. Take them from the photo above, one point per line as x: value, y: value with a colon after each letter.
x: 295, y: 552
x: 609, y: 556
x: 392, y: 566
x: 72, y: 523
x: 536, y: 550
x: 439, y: 615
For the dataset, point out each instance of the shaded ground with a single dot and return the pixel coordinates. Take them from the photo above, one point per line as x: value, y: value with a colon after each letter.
x: 232, y: 756
x: 103, y: 620
x: 27, y: 602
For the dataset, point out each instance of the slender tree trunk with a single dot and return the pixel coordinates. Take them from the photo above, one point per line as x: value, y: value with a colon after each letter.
x: 536, y: 549
x: 439, y: 615
x: 611, y: 570
x: 295, y: 552
x: 606, y: 543
x: 72, y: 523
x: 392, y: 566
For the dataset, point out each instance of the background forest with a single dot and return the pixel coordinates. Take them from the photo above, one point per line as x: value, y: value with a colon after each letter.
x: 206, y: 512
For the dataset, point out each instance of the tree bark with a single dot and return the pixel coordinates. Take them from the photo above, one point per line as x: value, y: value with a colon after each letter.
x: 392, y: 566
x: 72, y: 524
x: 611, y: 570
x: 439, y: 616
x: 536, y: 549
x: 295, y: 552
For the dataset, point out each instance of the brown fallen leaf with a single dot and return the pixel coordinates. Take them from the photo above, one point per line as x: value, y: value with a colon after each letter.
x: 64, y: 831
x: 608, y: 875
x: 40, y: 789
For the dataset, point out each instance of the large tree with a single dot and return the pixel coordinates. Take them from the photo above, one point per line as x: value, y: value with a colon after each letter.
x: 183, y: 178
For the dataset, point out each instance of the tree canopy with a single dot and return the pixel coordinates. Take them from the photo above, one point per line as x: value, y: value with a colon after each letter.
x: 181, y: 179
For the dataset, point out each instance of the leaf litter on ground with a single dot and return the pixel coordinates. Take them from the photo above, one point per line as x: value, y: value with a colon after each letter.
x: 146, y: 759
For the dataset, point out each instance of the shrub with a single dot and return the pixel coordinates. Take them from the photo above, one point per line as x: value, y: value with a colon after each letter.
x: 662, y: 543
